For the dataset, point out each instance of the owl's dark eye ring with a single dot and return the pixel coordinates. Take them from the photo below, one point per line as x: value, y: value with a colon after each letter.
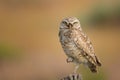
x: 75, y: 23
x: 64, y: 22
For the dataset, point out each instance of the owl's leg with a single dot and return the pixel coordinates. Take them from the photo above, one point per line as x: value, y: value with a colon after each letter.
x: 69, y: 59
x: 76, y: 68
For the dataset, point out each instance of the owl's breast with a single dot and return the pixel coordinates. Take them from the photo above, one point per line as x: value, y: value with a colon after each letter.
x: 68, y: 45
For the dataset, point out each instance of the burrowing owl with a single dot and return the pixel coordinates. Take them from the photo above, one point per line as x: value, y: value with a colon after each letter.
x: 77, y: 45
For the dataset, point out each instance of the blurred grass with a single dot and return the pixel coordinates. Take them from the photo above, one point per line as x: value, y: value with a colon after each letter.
x: 9, y: 52
x: 102, y: 14
x: 88, y: 75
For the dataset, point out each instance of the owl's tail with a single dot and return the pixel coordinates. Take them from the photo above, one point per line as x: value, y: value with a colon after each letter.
x: 92, y: 67
x: 98, y: 62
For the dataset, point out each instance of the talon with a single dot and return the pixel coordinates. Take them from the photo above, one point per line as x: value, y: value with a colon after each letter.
x: 69, y: 60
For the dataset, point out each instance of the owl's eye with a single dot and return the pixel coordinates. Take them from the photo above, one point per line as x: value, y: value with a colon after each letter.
x: 75, y: 23
x: 64, y: 22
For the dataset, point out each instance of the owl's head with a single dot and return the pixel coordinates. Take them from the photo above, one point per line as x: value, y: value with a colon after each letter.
x: 70, y: 23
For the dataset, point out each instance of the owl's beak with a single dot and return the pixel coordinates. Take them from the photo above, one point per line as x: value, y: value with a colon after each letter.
x: 70, y: 26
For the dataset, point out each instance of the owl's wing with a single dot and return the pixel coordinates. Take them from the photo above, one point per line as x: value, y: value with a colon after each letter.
x: 85, y: 45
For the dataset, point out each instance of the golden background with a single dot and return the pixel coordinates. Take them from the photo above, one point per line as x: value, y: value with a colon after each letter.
x: 29, y: 42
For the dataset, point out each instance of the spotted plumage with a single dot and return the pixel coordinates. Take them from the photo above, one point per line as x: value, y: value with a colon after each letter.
x: 77, y: 45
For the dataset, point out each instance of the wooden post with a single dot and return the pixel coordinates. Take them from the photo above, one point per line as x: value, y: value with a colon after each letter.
x: 72, y: 77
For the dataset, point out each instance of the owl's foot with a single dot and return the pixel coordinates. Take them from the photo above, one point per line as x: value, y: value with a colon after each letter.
x: 69, y: 59
x: 73, y: 77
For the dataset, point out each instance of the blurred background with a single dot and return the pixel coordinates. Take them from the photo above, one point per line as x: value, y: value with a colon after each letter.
x: 29, y: 42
